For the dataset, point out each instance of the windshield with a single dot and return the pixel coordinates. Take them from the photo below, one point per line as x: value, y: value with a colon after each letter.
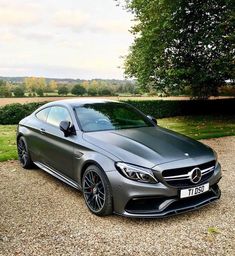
x: 110, y: 116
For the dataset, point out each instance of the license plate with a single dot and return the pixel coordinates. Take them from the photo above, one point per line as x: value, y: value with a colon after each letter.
x: 194, y: 191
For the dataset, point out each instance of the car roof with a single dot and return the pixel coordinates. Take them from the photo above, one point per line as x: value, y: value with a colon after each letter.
x: 78, y: 102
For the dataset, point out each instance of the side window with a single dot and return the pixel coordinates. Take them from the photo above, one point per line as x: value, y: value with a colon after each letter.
x: 58, y: 114
x: 42, y: 115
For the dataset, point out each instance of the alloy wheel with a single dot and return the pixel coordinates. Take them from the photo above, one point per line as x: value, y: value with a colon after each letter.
x: 22, y: 152
x: 94, y: 191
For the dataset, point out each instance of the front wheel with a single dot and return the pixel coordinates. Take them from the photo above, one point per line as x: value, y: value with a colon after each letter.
x: 97, y: 191
x: 23, y: 153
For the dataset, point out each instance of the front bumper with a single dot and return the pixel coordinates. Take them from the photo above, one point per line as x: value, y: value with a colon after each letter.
x: 135, y: 199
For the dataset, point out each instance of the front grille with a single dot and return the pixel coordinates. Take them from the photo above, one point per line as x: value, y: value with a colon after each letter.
x: 180, y: 177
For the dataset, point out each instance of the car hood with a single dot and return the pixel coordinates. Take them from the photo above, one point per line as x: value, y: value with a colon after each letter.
x: 148, y: 146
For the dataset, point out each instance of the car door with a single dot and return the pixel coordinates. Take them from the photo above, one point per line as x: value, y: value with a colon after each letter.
x: 57, y: 151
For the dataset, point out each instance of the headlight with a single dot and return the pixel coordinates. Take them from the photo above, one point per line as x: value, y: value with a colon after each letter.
x: 136, y: 173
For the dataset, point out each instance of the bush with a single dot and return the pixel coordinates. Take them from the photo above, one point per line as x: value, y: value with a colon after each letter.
x: 105, y: 91
x: 18, y: 92
x: 92, y: 91
x: 170, y: 108
x: 13, y: 113
x: 78, y: 90
x: 228, y: 90
x: 5, y: 92
x: 40, y: 92
x: 63, y: 90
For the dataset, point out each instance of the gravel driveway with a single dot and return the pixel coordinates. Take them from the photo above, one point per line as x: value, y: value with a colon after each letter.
x: 40, y: 215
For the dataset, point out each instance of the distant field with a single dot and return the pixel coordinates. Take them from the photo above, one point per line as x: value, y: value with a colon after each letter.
x: 5, y: 101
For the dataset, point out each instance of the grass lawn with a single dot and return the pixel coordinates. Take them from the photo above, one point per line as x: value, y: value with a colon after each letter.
x: 201, y: 127
x: 7, y: 142
x: 197, y: 127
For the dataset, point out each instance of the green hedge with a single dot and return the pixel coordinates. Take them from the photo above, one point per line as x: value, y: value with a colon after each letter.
x: 166, y: 108
x: 13, y: 113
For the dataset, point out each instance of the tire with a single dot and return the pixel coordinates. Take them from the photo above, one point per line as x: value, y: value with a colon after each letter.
x: 97, y: 191
x: 24, y: 154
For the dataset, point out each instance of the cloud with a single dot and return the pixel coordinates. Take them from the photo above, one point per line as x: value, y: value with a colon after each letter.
x: 83, y: 22
x: 70, y: 19
x: 110, y: 27
x: 7, y: 37
x: 11, y: 37
x: 38, y: 36
x: 11, y: 16
x: 59, y: 71
x: 74, y: 38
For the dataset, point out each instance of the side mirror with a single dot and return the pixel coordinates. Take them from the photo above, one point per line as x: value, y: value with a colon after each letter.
x: 66, y: 128
x: 154, y: 120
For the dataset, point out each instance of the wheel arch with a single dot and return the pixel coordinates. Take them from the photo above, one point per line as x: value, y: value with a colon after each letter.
x: 21, y: 131
x: 88, y: 163
x: 104, y: 163
x: 20, y: 134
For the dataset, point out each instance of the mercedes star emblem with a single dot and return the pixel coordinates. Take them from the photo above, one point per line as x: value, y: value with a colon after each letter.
x: 195, y: 175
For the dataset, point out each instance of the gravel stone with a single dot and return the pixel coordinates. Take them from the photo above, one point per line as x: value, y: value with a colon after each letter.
x: 39, y: 215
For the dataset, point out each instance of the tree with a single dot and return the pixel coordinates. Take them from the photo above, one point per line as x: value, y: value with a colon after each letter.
x: 4, y: 89
x: 18, y: 92
x: 182, y: 43
x: 93, y: 87
x: 63, y: 90
x: 30, y: 84
x: 92, y: 91
x: 105, y: 91
x: 34, y: 83
x: 2, y: 83
x: 5, y: 92
x: 40, y: 92
x: 52, y: 85
x: 85, y: 84
x: 78, y: 90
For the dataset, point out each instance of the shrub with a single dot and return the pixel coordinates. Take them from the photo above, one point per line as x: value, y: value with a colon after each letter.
x: 92, y: 91
x: 105, y: 91
x: 18, y: 92
x: 63, y: 90
x: 40, y: 92
x: 170, y: 108
x: 228, y: 90
x: 5, y: 91
x: 13, y: 113
x: 78, y: 90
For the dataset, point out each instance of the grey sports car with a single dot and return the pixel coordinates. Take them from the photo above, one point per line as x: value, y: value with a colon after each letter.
x: 120, y: 159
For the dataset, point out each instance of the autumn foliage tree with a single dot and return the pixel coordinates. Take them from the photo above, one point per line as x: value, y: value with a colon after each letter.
x: 35, y: 84
x: 52, y: 86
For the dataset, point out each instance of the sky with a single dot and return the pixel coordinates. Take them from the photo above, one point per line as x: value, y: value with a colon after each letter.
x: 63, y: 38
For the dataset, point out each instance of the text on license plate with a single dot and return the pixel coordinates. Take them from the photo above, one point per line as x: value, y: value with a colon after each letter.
x: 194, y: 191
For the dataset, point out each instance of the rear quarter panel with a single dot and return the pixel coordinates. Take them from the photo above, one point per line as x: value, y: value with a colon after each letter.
x: 29, y: 127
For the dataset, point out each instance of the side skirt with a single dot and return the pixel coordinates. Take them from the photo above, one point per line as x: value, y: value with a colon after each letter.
x: 58, y: 175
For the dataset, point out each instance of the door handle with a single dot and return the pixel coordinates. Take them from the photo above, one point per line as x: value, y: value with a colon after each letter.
x: 42, y: 131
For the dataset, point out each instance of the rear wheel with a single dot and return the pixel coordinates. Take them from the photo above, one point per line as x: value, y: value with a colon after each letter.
x: 24, y: 154
x: 97, y: 191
